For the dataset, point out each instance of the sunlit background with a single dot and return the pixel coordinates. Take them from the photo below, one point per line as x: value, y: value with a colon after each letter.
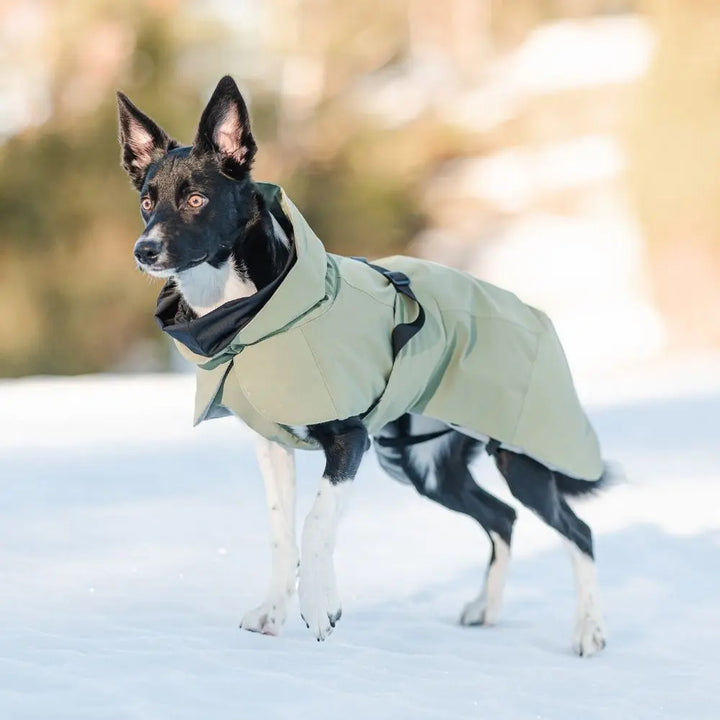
x: 565, y: 149
x: 568, y: 150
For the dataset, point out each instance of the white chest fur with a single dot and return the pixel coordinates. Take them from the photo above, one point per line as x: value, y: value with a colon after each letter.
x: 206, y: 288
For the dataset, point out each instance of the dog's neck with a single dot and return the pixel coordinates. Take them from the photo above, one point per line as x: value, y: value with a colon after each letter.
x: 205, y: 288
x: 259, y: 256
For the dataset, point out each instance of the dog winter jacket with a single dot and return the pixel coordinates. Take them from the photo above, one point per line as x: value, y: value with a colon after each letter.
x: 319, y: 349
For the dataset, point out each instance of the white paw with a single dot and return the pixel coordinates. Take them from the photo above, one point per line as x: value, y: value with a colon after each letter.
x: 589, y: 636
x: 319, y: 601
x: 267, y: 618
x: 479, y: 612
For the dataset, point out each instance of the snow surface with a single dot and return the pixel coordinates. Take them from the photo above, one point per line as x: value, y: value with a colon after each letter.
x: 131, y: 544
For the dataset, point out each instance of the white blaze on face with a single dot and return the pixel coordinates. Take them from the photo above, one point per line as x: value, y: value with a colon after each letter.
x: 156, y: 233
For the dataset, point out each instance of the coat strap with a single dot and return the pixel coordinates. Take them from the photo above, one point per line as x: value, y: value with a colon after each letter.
x: 404, y: 332
x: 492, y: 446
x: 401, y: 441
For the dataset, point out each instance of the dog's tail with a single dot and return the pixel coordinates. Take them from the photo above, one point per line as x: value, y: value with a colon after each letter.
x: 612, y: 474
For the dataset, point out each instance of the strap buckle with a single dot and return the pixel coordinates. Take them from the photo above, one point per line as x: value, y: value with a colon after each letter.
x: 403, y: 332
x: 398, y: 279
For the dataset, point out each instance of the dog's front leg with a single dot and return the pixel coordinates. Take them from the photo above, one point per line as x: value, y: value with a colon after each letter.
x: 277, y: 465
x: 344, y: 444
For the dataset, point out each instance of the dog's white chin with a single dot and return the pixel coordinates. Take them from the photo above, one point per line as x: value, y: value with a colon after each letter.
x: 158, y: 272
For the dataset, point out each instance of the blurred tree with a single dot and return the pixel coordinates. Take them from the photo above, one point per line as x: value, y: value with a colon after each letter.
x: 327, y: 148
x: 675, y: 155
x: 71, y: 297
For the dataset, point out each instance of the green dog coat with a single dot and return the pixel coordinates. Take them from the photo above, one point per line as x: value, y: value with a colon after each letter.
x: 320, y: 349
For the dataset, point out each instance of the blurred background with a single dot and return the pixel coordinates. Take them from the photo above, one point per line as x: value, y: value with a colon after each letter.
x: 564, y: 149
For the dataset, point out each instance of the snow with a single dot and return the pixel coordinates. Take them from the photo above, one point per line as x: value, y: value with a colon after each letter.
x: 513, y: 179
x: 131, y: 545
x: 571, y: 54
x: 556, y: 58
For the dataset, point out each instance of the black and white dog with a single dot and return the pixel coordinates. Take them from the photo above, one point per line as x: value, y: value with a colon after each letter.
x: 207, y: 227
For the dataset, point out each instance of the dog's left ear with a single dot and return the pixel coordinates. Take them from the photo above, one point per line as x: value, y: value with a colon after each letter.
x: 225, y: 129
x: 142, y: 140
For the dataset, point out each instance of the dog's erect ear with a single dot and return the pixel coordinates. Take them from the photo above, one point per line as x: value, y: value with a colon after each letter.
x: 225, y: 129
x: 142, y: 140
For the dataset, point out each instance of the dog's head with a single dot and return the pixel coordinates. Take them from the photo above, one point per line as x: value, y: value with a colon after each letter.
x: 192, y: 199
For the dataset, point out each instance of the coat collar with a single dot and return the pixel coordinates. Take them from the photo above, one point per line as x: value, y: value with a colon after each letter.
x: 241, y: 322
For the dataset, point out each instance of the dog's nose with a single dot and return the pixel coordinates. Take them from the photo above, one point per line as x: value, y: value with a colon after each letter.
x: 147, y: 251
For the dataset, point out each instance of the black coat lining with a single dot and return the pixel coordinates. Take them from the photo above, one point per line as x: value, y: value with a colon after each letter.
x: 211, y: 333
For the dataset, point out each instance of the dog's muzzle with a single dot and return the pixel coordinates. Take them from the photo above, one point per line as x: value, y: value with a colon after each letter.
x: 147, y: 252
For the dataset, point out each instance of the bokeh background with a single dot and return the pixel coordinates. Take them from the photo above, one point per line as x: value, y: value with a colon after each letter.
x: 565, y: 149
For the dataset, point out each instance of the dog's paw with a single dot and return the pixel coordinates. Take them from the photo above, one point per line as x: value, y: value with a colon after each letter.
x: 319, y: 604
x: 267, y: 618
x: 479, y: 612
x: 589, y: 636
x: 321, y: 624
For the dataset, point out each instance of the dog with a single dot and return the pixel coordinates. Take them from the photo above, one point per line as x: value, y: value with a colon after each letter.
x: 229, y: 249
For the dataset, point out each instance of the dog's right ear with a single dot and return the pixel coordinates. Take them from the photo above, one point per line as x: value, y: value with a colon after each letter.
x: 141, y: 139
x: 224, y: 129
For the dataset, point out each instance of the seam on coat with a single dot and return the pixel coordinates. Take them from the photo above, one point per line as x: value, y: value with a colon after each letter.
x: 320, y: 372
x: 367, y: 294
x: 527, y: 389
x: 309, y: 316
x: 499, y: 318
x: 201, y: 416
x: 262, y: 416
x: 292, y: 324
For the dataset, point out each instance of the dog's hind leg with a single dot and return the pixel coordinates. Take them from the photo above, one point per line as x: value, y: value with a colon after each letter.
x: 435, y: 459
x: 277, y: 465
x: 536, y: 487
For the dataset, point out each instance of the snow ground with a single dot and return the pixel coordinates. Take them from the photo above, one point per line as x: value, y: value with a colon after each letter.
x: 131, y: 544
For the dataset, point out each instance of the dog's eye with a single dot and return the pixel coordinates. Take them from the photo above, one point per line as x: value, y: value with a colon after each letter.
x: 146, y: 204
x: 196, y: 201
